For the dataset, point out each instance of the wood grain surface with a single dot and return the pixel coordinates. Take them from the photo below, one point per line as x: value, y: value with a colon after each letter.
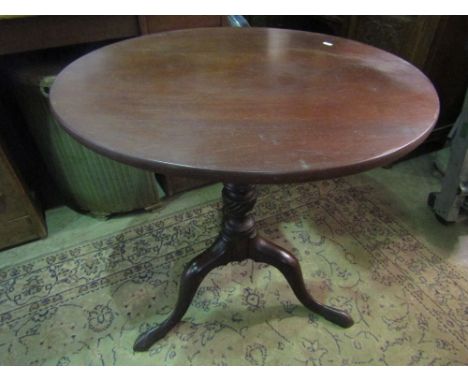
x: 254, y: 105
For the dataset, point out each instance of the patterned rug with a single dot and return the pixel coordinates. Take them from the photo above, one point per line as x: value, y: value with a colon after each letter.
x: 86, y: 305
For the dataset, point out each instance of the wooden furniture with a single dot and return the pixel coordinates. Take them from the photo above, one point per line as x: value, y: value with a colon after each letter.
x: 154, y: 24
x: 20, y: 219
x: 435, y: 44
x: 28, y: 33
x: 409, y: 37
x: 172, y: 184
x: 245, y: 106
x: 20, y: 34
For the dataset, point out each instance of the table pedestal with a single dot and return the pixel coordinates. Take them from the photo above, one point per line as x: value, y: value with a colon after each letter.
x: 238, y: 241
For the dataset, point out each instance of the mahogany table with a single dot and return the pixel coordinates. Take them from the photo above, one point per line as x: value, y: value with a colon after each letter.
x: 245, y: 106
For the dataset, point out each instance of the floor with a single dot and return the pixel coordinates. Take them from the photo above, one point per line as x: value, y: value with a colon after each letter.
x: 404, y: 189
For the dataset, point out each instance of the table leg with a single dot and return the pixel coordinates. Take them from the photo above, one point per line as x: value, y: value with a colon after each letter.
x: 237, y: 241
x: 269, y: 253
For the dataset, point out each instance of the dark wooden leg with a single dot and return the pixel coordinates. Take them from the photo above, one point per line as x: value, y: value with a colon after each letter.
x: 238, y: 241
x: 269, y: 253
x: 191, y: 279
x: 231, y: 245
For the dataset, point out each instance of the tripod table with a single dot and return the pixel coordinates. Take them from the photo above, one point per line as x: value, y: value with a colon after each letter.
x: 245, y: 106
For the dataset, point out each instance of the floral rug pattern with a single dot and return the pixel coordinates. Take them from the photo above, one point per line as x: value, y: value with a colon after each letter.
x: 87, y: 304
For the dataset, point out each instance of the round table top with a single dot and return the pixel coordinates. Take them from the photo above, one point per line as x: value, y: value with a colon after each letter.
x: 254, y: 105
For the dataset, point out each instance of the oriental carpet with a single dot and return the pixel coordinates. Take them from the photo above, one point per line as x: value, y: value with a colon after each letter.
x: 87, y: 303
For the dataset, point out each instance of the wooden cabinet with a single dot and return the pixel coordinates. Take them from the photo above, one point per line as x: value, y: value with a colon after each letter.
x: 153, y: 24
x: 22, y: 34
x: 20, y: 219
